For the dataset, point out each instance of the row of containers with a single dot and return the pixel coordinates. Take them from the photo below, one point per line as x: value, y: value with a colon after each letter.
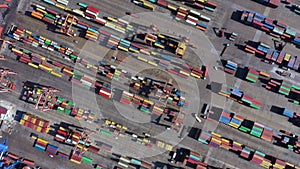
x: 27, y: 37
x: 252, y: 74
x: 264, y: 160
x: 274, y: 27
x: 272, y: 55
x: 60, y: 105
x: 34, y: 122
x: 91, y: 13
x: 11, y: 156
x: 285, y: 88
x: 44, y: 146
x: 199, y: 4
x: 121, y: 130
x: 195, y: 159
x: 125, y: 162
x: 162, y: 41
x: 271, y: 3
x: 240, y: 96
x: 259, y: 130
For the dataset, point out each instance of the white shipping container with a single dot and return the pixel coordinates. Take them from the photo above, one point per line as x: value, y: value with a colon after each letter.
x: 39, y: 6
x: 205, y: 18
x: 191, y: 22
x: 195, y: 13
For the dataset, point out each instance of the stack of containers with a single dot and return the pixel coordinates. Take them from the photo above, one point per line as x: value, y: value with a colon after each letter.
x: 157, y: 110
x: 257, y: 130
x: 134, y: 48
x: 51, y: 150
x: 113, y: 42
x: 225, y: 117
x: 279, y: 164
x: 181, y: 13
x: 103, y: 36
x: 77, y: 77
x: 197, y: 73
x: 236, y: 121
x: 62, y: 155
x: 91, y: 35
x: 76, y: 158
x: 258, y: 157
x: 124, y: 45
x: 246, y: 125
x: 205, y: 137
x: 291, y: 62
x: 164, y: 63
x: 252, y: 75
x: 297, y: 64
x: 201, y: 26
x: 267, y: 134
x: 285, y: 88
x: 137, y: 99
x: 193, y: 158
x: 226, y: 144
x: 225, y: 90
x: 236, y: 146
x: 41, y: 144
x: 184, y: 73
x: 262, y: 48
x: 230, y: 67
x: 296, y: 41
x: 246, y: 152
x: 273, y: 85
x: 105, y: 92
x: 191, y: 20
x: 216, y: 140
x: 288, y: 113
x: 87, y: 80
x: 146, y: 106
x: 126, y: 97
x: 91, y: 12
x: 35, y: 123
x: 233, y: 36
x: 280, y: 57
x: 250, y: 49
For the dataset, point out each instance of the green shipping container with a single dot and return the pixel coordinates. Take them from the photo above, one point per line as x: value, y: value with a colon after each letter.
x: 77, y: 77
x: 296, y: 87
x: 250, y: 79
x: 76, y: 72
x: 67, y: 111
x: 50, y: 16
x: 254, y: 106
x: 86, y: 160
x: 105, y: 133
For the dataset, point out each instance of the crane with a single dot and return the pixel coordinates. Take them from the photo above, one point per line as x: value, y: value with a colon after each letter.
x: 6, y: 85
x: 42, y: 100
x: 77, y: 151
x: 67, y: 25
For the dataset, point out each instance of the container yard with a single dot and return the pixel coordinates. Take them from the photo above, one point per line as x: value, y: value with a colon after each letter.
x: 142, y: 84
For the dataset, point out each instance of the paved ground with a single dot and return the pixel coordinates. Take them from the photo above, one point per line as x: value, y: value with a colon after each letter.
x: 192, y: 88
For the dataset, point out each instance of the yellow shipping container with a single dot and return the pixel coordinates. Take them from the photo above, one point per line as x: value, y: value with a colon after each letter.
x: 22, y: 121
x: 39, y: 129
x: 173, y: 8
x: 28, y: 32
x: 142, y: 59
x: 33, y: 65
x: 25, y: 117
x: 70, y: 72
x: 60, y: 6
x: 56, y: 74
x: 121, y: 47
x: 152, y: 63
x: 42, y: 140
